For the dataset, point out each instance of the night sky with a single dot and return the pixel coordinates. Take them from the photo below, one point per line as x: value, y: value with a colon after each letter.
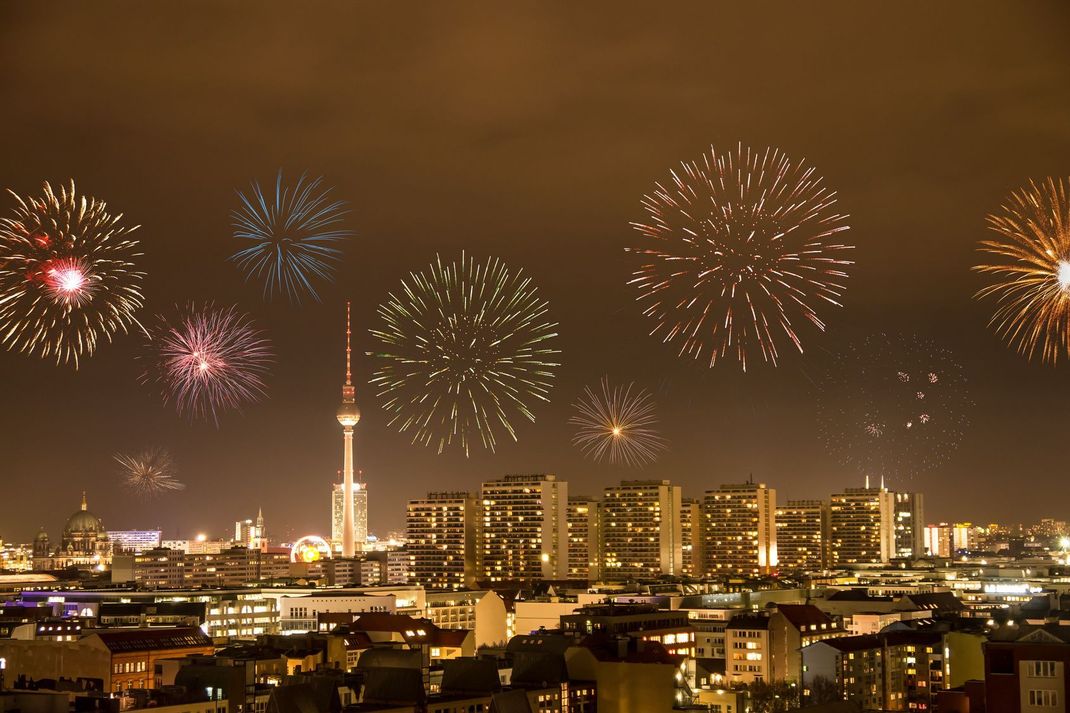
x: 528, y: 132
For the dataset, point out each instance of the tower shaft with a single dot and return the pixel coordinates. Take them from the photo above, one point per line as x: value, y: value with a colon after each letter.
x: 348, y: 545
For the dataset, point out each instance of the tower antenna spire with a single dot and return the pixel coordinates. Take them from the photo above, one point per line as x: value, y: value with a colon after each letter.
x: 349, y: 351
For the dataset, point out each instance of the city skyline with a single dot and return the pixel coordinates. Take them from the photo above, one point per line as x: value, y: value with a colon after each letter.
x: 554, y: 170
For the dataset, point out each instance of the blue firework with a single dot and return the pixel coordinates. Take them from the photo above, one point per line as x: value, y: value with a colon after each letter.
x: 294, y: 234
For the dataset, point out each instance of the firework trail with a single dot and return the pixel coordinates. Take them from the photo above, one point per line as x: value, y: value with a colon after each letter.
x: 737, y: 251
x: 294, y: 232
x: 1031, y: 279
x: 148, y: 473
x: 208, y: 360
x: 618, y: 422
x: 894, y: 406
x: 465, y: 349
x: 67, y: 276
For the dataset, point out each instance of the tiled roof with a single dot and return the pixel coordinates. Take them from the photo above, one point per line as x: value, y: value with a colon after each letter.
x: 800, y: 615
x: 122, y: 640
x: 944, y: 601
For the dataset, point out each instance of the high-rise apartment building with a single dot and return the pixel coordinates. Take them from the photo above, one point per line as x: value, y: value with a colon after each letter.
x: 441, y: 533
x: 909, y: 525
x: 802, y: 535
x: 584, y: 560
x: 861, y: 526
x: 739, y: 529
x: 641, y: 530
x: 690, y: 537
x: 524, y: 532
x: 360, y: 515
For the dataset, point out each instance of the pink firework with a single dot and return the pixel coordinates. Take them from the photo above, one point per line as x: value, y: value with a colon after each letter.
x: 209, y: 360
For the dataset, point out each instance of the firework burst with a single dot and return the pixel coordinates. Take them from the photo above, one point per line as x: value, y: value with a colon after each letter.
x: 618, y: 423
x: 148, y: 473
x: 208, y: 360
x: 67, y: 276
x: 737, y: 251
x: 294, y: 232
x: 1031, y: 280
x: 466, y: 348
x: 894, y: 406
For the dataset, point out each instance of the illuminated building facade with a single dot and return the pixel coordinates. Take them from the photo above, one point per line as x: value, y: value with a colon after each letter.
x: 360, y: 514
x: 690, y: 538
x: 739, y: 524
x: 801, y: 535
x: 641, y: 530
x: 524, y: 531
x: 175, y: 569
x: 250, y: 533
x: 441, y: 533
x: 937, y: 540
x: 134, y: 540
x: 584, y: 554
x: 861, y: 526
x: 909, y: 525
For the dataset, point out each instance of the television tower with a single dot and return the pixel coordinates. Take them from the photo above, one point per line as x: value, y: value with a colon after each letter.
x: 348, y: 416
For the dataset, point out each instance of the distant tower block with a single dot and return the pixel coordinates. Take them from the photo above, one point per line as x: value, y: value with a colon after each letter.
x: 348, y: 416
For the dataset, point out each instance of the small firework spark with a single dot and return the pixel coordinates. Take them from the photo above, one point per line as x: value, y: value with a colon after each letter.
x: 67, y: 276
x: 874, y: 416
x: 207, y: 360
x: 618, y: 422
x: 737, y: 251
x: 148, y: 473
x: 1031, y: 279
x: 466, y: 348
x: 294, y: 231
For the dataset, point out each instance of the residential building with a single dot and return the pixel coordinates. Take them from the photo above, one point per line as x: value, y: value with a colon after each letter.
x: 441, y: 532
x: 671, y: 629
x: 890, y: 671
x: 480, y: 611
x: 1027, y: 668
x: 739, y: 529
x: 584, y: 559
x: 802, y: 535
x: 120, y: 658
x: 640, y: 530
x: 861, y: 526
x: 909, y: 525
x: 524, y: 530
x: 748, y: 649
x: 691, y: 538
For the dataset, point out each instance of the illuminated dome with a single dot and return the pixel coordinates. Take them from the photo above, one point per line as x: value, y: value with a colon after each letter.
x: 83, y: 521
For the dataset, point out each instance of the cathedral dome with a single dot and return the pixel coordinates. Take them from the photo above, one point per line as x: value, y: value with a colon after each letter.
x: 83, y: 521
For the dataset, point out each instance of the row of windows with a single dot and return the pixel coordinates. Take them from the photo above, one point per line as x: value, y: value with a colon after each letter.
x: 1041, y: 669
x: 130, y: 667
x: 1043, y: 698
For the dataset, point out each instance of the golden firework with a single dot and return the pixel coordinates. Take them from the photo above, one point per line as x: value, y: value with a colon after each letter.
x: 617, y: 424
x: 1031, y: 284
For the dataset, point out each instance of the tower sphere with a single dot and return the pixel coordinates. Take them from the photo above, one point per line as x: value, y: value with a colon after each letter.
x: 348, y: 414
